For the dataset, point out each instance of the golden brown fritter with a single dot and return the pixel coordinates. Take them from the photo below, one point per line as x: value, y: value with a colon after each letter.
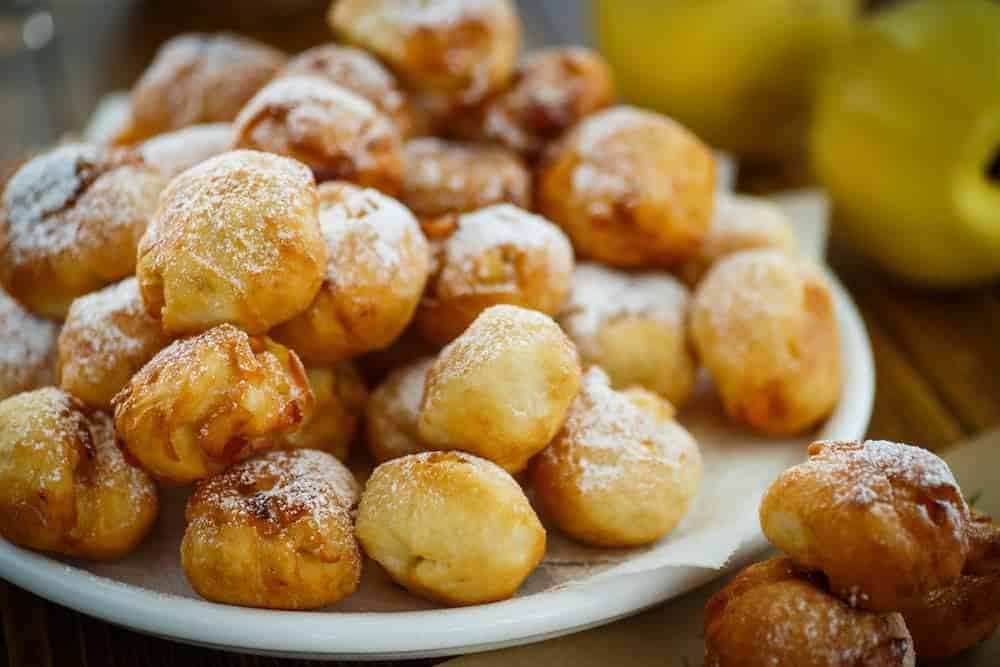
x: 620, y: 472
x: 502, y: 389
x: 64, y: 485
x: 773, y: 613
x: 70, y: 221
x: 274, y: 532
x: 107, y: 337
x: 497, y: 255
x: 209, y: 401
x: 235, y: 239
x: 764, y: 326
x: 885, y: 522
x: 360, y: 73
x: 338, y: 134
x: 450, y: 527
x: 198, y: 78
x: 631, y: 188
x: 442, y: 179
x: 635, y: 327
x: 378, y: 260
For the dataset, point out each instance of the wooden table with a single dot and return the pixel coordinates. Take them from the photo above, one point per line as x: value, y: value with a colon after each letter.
x: 937, y: 355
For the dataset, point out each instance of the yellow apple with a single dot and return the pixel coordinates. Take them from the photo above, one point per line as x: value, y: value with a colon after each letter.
x: 906, y: 137
x: 737, y: 72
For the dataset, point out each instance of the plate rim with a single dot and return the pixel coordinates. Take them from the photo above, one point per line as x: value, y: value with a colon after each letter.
x: 425, y: 633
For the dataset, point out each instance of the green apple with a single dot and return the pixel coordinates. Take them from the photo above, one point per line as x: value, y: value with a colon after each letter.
x: 906, y: 137
x: 737, y: 72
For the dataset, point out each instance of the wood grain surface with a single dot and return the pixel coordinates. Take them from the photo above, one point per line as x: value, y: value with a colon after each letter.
x: 937, y: 354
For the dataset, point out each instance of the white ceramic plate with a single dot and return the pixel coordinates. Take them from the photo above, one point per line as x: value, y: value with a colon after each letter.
x: 434, y: 632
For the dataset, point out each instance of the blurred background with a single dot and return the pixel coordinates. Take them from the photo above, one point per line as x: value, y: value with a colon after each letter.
x: 58, y: 58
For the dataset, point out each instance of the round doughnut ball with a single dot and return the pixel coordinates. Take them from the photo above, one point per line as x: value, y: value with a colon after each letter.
x: 497, y: 255
x: 359, y: 73
x: 885, y: 522
x: 274, y: 532
x: 773, y: 613
x: 984, y: 544
x: 394, y: 410
x: 206, y: 402
x: 631, y: 188
x: 764, y: 325
x: 28, y: 354
x: 198, y: 78
x: 551, y: 90
x: 740, y: 223
x: 171, y: 153
x: 378, y: 260
x: 337, y: 133
x: 64, y: 485
x: 108, y: 336
x: 235, y: 239
x: 617, y: 474
x: 341, y: 396
x: 502, y: 389
x: 443, y: 178
x: 635, y: 327
x: 70, y: 221
x: 460, y: 51
x: 450, y: 527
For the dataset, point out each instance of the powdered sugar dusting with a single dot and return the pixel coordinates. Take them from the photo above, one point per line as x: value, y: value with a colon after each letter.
x: 234, y: 200
x: 443, y: 177
x: 601, y: 295
x: 39, y: 190
x: 306, y: 97
x: 382, y: 227
x: 280, y: 487
x: 107, y: 326
x: 609, y: 434
x: 873, y: 462
x: 27, y: 348
x: 506, y: 226
x: 353, y: 69
x: 496, y: 330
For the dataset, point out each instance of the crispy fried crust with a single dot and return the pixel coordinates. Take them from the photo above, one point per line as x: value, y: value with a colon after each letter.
x: 274, y: 532
x: 70, y: 221
x: 496, y: 255
x: 772, y: 613
x: 378, y: 260
x: 198, y: 78
x: 885, y: 522
x: 502, y: 389
x: 64, y: 485
x: 206, y: 402
x: 456, y: 52
x: 450, y: 527
x: 551, y: 90
x: 235, y: 239
x: 107, y: 337
x: 764, y: 326
x: 956, y: 617
x: 360, y: 73
x: 340, y: 135
x: 631, y: 188
x: 442, y: 179
x: 341, y: 396
x: 620, y: 472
